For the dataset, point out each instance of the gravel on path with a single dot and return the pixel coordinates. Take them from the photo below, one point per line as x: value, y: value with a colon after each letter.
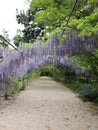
x: 48, y: 105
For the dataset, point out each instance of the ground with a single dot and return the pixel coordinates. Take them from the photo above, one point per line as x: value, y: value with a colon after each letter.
x: 47, y: 105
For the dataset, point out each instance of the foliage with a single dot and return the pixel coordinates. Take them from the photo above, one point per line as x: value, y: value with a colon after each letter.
x: 31, y: 30
x: 54, y: 14
x: 4, y: 34
x: 21, y: 86
x: 18, y: 38
x: 44, y: 18
x: 11, y: 86
x: 73, y: 81
x: 87, y: 23
x: 49, y: 70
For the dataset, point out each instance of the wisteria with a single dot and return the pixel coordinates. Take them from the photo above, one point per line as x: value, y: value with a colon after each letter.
x: 33, y: 56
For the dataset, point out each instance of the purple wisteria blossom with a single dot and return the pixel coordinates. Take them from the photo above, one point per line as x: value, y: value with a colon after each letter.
x: 33, y: 56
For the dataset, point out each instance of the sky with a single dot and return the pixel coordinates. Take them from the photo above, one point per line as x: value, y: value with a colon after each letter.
x: 8, y: 15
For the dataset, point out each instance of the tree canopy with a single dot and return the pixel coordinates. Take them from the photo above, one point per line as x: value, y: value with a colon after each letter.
x: 86, y: 20
x: 46, y: 17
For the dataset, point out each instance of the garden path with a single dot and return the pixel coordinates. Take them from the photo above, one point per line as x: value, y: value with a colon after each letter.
x: 47, y: 105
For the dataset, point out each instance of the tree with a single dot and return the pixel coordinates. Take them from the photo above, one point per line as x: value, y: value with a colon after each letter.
x: 18, y: 38
x: 87, y: 21
x: 43, y: 17
x: 50, y: 16
x: 51, y: 13
x: 31, y: 30
x: 4, y: 35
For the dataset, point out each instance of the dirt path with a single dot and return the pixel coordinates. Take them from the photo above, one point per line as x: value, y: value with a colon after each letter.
x: 48, y: 105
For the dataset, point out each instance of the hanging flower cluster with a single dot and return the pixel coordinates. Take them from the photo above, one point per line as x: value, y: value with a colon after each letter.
x: 31, y: 57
